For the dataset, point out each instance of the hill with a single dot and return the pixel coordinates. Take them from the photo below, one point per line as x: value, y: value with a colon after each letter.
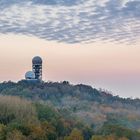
x: 78, y: 109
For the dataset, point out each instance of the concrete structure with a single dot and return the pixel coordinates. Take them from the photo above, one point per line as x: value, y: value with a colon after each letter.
x: 37, y: 67
x: 30, y: 75
x: 36, y: 73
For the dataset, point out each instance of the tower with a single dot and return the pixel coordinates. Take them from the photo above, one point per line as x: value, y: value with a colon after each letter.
x: 37, y: 67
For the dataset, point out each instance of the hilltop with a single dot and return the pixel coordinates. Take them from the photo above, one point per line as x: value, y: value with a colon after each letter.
x: 81, y: 100
x: 95, y: 109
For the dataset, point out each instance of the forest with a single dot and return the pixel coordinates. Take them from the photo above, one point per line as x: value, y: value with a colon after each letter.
x: 62, y: 111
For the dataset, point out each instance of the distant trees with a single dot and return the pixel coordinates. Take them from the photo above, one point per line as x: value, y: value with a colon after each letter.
x: 61, y: 111
x: 15, y: 135
x: 109, y: 137
x: 39, y: 121
x: 75, y: 135
x: 15, y: 108
x: 46, y: 112
x: 21, y: 119
x: 97, y: 138
x: 122, y: 133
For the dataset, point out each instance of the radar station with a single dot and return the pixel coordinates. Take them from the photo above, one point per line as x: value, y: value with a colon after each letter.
x: 36, y: 73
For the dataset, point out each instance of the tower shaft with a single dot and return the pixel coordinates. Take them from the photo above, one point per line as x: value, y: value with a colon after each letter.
x: 37, y: 69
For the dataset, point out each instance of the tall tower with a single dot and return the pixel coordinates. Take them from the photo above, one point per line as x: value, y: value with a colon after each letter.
x: 37, y: 67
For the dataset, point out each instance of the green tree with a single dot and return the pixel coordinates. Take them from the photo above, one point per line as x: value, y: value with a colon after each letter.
x: 15, y: 135
x: 97, y: 138
x: 123, y: 138
x: 75, y: 135
x: 36, y: 132
x: 50, y: 131
x: 2, y: 132
x: 14, y: 108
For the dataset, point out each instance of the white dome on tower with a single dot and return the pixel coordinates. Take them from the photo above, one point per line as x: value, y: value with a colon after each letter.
x: 30, y: 75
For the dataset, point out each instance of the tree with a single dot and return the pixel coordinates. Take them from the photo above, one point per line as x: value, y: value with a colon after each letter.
x: 123, y: 138
x: 75, y: 135
x: 37, y: 133
x: 15, y: 108
x: 2, y: 132
x: 97, y: 138
x: 50, y: 131
x: 15, y: 135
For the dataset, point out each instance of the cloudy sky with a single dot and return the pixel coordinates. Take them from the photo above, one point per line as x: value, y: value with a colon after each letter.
x: 95, y: 42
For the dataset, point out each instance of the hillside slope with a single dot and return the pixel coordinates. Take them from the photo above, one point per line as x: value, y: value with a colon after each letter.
x: 91, y: 106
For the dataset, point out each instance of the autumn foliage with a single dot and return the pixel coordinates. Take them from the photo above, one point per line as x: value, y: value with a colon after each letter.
x: 60, y: 111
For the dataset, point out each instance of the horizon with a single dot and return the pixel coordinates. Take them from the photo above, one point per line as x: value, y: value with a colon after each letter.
x: 74, y: 63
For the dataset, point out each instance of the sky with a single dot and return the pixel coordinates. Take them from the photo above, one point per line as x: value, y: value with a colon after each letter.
x: 90, y: 42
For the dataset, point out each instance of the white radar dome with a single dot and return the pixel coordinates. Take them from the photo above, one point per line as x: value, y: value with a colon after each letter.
x: 30, y: 75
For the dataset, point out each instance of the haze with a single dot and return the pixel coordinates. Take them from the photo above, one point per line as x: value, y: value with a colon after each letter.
x: 114, y: 67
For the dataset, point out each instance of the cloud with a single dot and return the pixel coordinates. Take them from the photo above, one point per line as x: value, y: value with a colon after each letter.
x: 73, y: 21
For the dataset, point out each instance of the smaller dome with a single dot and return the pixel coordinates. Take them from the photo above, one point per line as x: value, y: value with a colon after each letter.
x: 37, y: 60
x: 30, y: 75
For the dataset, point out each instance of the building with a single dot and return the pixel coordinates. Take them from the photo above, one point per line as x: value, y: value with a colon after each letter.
x: 36, y: 73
